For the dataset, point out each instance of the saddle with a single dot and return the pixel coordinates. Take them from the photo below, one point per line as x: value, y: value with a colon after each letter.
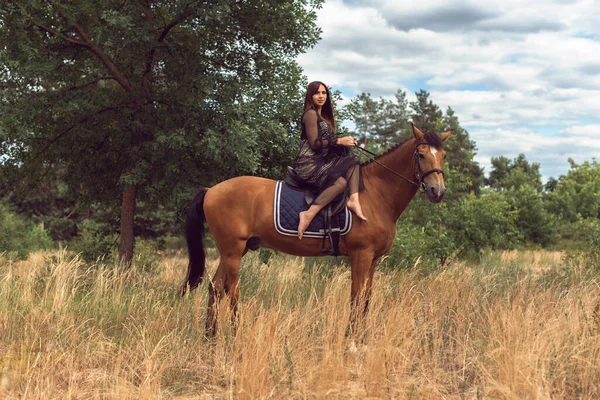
x: 331, y: 213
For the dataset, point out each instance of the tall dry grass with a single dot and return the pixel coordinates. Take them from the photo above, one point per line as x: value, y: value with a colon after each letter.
x: 510, y: 328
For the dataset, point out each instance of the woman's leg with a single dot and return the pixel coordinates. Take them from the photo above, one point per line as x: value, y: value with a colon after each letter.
x: 353, y: 177
x: 324, y: 198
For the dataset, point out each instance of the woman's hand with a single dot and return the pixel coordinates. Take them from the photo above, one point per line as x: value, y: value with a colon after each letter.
x: 347, y: 141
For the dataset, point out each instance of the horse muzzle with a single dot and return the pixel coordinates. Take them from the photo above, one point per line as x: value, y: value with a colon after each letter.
x: 435, y: 192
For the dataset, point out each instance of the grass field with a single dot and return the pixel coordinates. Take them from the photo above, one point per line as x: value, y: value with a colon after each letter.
x: 520, y: 325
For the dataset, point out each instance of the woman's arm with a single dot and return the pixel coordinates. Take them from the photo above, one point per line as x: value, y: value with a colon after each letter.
x: 311, y: 126
x: 317, y: 143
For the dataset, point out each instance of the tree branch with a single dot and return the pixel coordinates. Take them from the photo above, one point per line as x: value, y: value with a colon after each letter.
x: 81, y: 121
x: 178, y: 19
x: 150, y: 60
x: 121, y: 5
x: 62, y: 36
x: 119, y: 77
x: 104, y: 78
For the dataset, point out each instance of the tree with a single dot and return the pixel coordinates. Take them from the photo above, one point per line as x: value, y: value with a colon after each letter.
x: 426, y: 115
x: 535, y: 224
x: 520, y: 184
x: 392, y: 120
x: 477, y: 223
x: 466, y: 174
x: 577, y: 194
x: 362, y: 110
x: 551, y: 184
x: 507, y: 174
x: 501, y: 167
x: 141, y: 100
x: 383, y: 121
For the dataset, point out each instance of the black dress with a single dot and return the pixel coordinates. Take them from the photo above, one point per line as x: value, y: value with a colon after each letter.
x: 320, y: 162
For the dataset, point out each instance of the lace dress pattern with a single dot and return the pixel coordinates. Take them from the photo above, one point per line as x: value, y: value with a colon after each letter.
x: 320, y: 165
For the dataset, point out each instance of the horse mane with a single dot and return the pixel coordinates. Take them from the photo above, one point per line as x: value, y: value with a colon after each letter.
x: 432, y: 139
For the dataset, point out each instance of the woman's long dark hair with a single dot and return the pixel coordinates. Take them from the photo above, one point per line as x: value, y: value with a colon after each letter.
x: 327, y: 109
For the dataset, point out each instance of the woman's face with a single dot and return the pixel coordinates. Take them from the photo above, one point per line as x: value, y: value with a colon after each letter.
x: 320, y: 97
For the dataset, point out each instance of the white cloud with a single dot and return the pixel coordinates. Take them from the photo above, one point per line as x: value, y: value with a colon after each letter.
x: 551, y: 152
x: 522, y: 78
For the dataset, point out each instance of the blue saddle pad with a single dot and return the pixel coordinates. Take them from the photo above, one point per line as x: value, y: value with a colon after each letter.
x: 289, y: 203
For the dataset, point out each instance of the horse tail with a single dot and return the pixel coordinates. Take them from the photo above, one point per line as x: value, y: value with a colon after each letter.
x: 194, y: 233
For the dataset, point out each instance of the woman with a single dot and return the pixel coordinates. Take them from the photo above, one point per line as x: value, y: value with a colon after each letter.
x: 323, y: 162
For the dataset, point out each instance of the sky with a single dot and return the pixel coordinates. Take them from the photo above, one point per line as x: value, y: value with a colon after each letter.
x: 522, y: 77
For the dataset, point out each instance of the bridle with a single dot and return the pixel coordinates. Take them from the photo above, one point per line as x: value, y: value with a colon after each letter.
x: 418, y: 174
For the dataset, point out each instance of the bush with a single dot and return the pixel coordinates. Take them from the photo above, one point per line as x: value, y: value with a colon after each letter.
x: 585, y: 244
x: 61, y: 228
x: 429, y: 246
x: 478, y: 223
x: 19, y: 237
x: 534, y: 223
x: 146, y: 255
x: 94, y: 242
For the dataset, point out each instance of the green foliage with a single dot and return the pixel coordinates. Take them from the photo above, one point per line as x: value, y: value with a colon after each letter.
x: 534, y: 223
x: 429, y: 246
x: 577, y: 194
x: 95, y: 242
x: 590, y: 229
x: 550, y: 184
x: 47, y: 200
x: 433, y: 234
x: 583, y: 241
x: 479, y: 223
x: 507, y: 174
x: 166, y: 96
x: 425, y: 114
x: 147, y: 256
x: 464, y: 174
x: 19, y: 237
x: 383, y: 122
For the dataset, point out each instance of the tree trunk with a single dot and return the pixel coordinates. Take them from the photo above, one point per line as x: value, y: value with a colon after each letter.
x: 127, y: 238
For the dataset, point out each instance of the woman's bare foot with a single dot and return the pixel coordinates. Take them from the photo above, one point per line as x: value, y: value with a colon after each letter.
x: 354, y: 205
x: 305, y: 220
x: 306, y: 217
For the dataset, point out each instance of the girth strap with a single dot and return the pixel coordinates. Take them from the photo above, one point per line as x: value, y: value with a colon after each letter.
x: 332, y: 231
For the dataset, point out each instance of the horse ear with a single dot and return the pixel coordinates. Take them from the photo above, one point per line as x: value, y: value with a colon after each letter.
x: 420, y: 136
x: 446, y: 135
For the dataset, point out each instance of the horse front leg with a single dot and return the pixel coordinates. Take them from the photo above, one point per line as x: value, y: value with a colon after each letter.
x: 363, y: 267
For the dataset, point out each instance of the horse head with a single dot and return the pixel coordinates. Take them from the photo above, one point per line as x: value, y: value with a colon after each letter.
x: 429, y: 162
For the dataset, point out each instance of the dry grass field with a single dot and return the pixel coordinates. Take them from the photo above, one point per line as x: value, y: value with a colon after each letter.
x: 519, y: 326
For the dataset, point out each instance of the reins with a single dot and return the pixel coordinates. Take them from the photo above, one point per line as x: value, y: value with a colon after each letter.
x: 389, y: 169
x: 418, y: 174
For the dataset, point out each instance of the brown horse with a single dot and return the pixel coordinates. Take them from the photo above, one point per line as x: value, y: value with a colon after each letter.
x: 239, y: 213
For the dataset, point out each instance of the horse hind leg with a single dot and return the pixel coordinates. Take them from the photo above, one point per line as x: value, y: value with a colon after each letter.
x: 225, y: 281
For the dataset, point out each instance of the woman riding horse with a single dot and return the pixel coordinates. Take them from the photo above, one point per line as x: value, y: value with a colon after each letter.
x: 323, y: 164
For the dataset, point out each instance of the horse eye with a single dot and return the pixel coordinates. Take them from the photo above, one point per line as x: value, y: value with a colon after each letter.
x: 421, y: 155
